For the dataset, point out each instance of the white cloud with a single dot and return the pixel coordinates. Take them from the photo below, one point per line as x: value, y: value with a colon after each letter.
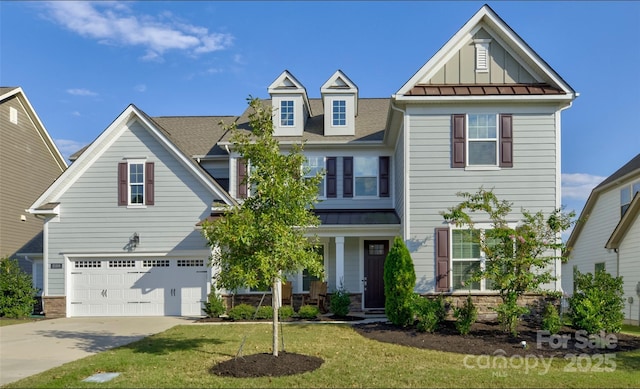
x: 68, y: 146
x: 140, y: 88
x: 115, y: 23
x: 579, y: 185
x: 81, y: 92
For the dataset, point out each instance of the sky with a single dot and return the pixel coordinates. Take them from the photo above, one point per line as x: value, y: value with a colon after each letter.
x: 81, y: 64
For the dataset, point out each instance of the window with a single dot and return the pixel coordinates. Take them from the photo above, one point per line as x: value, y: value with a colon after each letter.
x: 467, y: 258
x: 316, y: 165
x: 600, y: 266
x: 307, y: 277
x: 482, y: 140
x: 366, y: 176
x: 286, y: 113
x: 339, y: 113
x: 626, y: 195
x: 136, y: 183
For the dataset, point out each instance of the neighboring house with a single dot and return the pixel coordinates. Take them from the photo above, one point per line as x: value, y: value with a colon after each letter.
x: 608, y: 235
x: 483, y: 111
x: 29, y: 163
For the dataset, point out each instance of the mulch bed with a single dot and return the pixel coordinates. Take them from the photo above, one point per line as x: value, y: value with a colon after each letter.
x: 288, y: 320
x: 266, y: 365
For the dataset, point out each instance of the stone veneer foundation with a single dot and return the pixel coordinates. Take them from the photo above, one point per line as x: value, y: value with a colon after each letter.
x: 55, y: 306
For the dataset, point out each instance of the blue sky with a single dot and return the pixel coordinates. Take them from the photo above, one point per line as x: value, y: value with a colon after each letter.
x: 81, y: 63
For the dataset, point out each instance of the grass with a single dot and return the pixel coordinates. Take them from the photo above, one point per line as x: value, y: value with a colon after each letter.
x: 183, y: 355
x: 630, y: 330
x: 5, y: 321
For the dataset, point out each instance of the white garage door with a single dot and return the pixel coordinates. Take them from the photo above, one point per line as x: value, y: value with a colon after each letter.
x: 137, y: 287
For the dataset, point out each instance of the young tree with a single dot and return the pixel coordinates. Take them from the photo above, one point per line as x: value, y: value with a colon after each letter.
x: 399, y: 281
x: 517, y: 259
x: 265, y: 237
x: 16, y: 290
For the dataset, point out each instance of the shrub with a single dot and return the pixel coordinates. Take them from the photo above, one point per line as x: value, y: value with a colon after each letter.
x: 509, y: 313
x: 598, y: 303
x: 340, y: 302
x: 17, y: 295
x: 551, y: 319
x: 308, y: 312
x: 214, y: 307
x: 242, y: 312
x: 264, y: 312
x: 465, y: 316
x: 429, y: 313
x: 399, y: 282
x: 285, y: 312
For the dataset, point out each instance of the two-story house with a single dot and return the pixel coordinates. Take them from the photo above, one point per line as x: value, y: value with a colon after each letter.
x: 607, y: 236
x: 122, y: 222
x: 29, y: 163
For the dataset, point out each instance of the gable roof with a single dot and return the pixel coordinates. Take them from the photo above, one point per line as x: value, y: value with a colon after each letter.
x: 9, y: 92
x: 196, y: 136
x: 548, y: 84
x: 105, y: 140
x: 627, y: 171
x: 369, y: 124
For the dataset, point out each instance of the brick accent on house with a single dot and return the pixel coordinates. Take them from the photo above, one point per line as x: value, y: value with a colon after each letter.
x: 55, y: 306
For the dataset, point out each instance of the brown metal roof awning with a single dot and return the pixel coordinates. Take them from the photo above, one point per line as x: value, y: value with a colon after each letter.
x: 484, y: 90
x: 357, y: 217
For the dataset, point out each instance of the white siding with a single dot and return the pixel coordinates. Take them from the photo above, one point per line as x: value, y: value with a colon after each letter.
x: 530, y: 184
x: 630, y: 270
x: 92, y: 222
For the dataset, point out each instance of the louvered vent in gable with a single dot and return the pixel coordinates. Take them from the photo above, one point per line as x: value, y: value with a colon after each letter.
x: 482, y: 54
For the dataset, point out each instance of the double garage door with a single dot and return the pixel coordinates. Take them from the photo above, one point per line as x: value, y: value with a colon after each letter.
x: 137, y: 287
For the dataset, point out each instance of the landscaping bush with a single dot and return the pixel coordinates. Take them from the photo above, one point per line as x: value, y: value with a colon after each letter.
x: 429, y: 313
x: 242, y: 312
x: 399, y: 281
x: 465, y: 316
x: 17, y: 294
x: 214, y: 307
x: 340, y: 302
x: 308, y: 312
x: 551, y: 319
x: 597, y: 303
x: 264, y: 312
x: 285, y: 312
x: 509, y: 313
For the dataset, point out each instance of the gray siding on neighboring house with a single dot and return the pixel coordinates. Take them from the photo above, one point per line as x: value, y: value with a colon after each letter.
x: 530, y: 183
x: 27, y: 168
x: 92, y: 222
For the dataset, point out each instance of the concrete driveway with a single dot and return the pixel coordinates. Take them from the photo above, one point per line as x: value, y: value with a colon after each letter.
x: 31, y: 348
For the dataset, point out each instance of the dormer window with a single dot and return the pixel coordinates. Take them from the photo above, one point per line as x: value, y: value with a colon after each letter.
x: 286, y: 113
x: 339, y: 113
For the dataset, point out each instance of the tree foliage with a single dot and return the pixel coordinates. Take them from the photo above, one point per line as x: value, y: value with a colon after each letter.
x: 598, y: 302
x: 17, y: 294
x: 399, y: 282
x: 265, y: 237
x: 518, y: 259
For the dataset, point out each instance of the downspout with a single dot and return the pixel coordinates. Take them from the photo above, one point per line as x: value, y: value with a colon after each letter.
x: 405, y: 191
x: 558, y: 264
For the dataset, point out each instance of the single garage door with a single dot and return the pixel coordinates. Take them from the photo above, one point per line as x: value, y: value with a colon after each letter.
x: 137, y: 287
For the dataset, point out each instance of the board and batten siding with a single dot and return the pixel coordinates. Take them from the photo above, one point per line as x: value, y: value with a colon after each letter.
x: 630, y: 270
x: 433, y: 183
x: 92, y: 222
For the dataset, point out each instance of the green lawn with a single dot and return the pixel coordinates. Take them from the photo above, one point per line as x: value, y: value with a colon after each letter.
x: 183, y: 355
x: 9, y: 322
x: 631, y: 330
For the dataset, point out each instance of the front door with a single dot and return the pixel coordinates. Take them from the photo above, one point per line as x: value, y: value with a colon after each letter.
x: 375, y: 252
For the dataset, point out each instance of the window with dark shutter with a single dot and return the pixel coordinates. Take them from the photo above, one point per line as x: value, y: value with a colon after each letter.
x: 506, y: 141
x: 331, y: 176
x: 384, y: 176
x: 442, y: 259
x: 347, y: 177
x: 149, y: 185
x: 242, y: 183
x: 123, y: 184
x: 458, y: 141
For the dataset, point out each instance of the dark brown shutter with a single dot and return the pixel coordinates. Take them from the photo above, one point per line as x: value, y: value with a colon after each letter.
x: 458, y: 141
x: 347, y: 177
x: 506, y: 141
x: 332, y: 188
x: 149, y: 183
x: 242, y: 183
x: 442, y: 259
x: 384, y: 176
x: 123, y: 183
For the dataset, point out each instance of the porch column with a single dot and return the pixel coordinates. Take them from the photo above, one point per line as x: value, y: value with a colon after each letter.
x: 339, y: 260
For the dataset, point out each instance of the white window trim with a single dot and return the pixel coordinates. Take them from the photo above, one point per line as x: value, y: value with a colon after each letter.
x: 324, y: 177
x: 293, y: 111
x: 144, y: 199
x: 468, y: 140
x: 377, y: 176
x: 333, y: 111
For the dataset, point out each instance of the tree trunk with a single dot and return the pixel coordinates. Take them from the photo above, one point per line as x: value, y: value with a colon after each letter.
x: 275, y: 303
